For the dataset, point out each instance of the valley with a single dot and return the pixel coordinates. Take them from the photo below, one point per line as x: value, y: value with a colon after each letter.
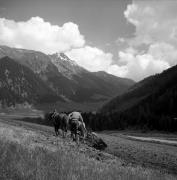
x: 88, y: 90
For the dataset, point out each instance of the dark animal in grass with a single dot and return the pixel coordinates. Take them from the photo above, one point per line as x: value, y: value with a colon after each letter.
x: 77, y: 126
x: 60, y: 121
x: 78, y: 130
x: 64, y: 123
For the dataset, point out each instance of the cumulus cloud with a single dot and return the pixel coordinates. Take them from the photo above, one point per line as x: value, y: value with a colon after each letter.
x: 156, y: 29
x: 154, y: 21
x: 165, y: 52
x: 139, y: 66
x: 120, y: 71
x: 95, y: 59
x: 40, y: 35
x: 92, y: 58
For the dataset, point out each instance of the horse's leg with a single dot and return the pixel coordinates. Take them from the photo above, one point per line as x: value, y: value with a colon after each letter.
x: 63, y: 133
x: 83, y: 138
x: 77, y: 139
x: 84, y: 134
x: 72, y: 128
x: 66, y: 130
x: 63, y: 129
x: 55, y: 130
x: 73, y: 135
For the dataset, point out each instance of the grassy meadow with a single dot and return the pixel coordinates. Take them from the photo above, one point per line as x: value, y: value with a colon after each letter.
x: 150, y: 154
x: 27, y: 153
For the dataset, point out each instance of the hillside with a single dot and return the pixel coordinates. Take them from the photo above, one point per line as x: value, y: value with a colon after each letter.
x: 65, y: 78
x: 119, y: 83
x: 157, y: 85
x: 151, y: 103
x: 18, y: 84
x: 87, y: 84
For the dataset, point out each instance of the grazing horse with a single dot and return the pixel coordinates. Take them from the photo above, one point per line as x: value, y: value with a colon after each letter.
x: 60, y: 121
x: 78, y: 130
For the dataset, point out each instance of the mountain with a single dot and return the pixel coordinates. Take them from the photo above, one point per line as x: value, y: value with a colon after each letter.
x: 42, y: 66
x: 19, y: 84
x: 151, y: 102
x: 118, y: 83
x: 65, y: 78
x: 89, y: 84
x: 66, y: 66
x: 143, y: 90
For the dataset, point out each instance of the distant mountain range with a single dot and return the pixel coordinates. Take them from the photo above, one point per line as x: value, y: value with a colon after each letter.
x: 34, y: 77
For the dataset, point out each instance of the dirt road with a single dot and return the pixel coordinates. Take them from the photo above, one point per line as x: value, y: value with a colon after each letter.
x: 155, y: 140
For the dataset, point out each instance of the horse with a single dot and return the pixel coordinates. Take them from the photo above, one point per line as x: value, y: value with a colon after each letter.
x: 64, y: 123
x: 78, y: 130
x: 60, y: 121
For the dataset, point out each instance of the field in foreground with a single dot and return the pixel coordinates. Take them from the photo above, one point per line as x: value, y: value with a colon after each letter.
x: 30, y: 151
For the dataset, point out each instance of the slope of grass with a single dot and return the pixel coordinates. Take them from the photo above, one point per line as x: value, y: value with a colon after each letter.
x: 27, y: 154
x: 150, y: 154
x: 17, y: 162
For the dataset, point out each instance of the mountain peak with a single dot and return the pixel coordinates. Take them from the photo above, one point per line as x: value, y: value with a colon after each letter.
x: 65, y: 65
x: 63, y: 57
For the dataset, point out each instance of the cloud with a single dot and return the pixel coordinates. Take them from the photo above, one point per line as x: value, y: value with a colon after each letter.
x: 40, y: 35
x: 95, y: 59
x: 165, y: 52
x: 139, y: 66
x: 154, y: 21
x: 154, y: 45
x: 120, y: 71
x: 91, y: 58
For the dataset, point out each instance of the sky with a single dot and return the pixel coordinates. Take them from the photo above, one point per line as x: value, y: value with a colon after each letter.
x: 132, y: 39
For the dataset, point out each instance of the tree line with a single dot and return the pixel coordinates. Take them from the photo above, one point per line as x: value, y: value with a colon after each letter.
x: 157, y: 112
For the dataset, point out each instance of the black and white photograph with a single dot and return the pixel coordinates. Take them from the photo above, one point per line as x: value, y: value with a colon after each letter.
x: 88, y: 90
